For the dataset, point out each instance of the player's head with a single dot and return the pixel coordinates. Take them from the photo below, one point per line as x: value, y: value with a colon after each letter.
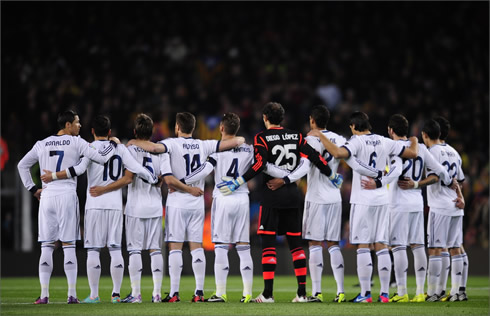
x: 445, y: 127
x: 359, y: 121
x: 431, y: 131
x: 230, y: 123
x: 101, y: 126
x: 273, y: 112
x: 398, y: 124
x: 70, y: 122
x: 143, y: 127
x: 319, y: 116
x: 185, y: 123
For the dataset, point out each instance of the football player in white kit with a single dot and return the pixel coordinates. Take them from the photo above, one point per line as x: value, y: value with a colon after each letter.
x: 103, y: 213
x: 58, y: 208
x: 230, y: 215
x: 184, y: 217
x: 369, y: 216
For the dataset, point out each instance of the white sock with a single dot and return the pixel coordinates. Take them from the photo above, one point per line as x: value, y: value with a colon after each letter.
x: 199, y: 267
x: 400, y: 261
x: 420, y: 267
x: 435, y: 266
x: 464, y: 278
x: 364, y: 269
x: 175, y: 270
x: 246, y: 268
x: 445, y: 267
x: 45, y: 267
x: 456, y: 273
x: 221, y: 268
x: 93, y: 271
x: 316, y: 268
x: 337, y: 263
x: 135, y: 268
x: 157, y: 271
x: 71, y: 269
x: 384, y: 270
x: 117, y: 269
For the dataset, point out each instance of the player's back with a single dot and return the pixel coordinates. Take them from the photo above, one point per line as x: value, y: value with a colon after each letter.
x: 145, y: 199
x: 320, y: 188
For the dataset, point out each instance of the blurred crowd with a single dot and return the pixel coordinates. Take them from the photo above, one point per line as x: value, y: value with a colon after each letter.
x: 123, y: 58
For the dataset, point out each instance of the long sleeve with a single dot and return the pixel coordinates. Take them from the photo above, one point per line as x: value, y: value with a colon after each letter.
x: 132, y: 165
x: 260, y: 159
x: 362, y: 168
x: 202, y: 172
x: 79, y: 168
x: 275, y: 171
x: 100, y: 156
x: 434, y: 167
x: 312, y: 155
x: 300, y: 171
x: 24, y: 167
x: 396, y: 167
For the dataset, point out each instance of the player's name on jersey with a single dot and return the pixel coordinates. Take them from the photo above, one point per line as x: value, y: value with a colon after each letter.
x: 64, y: 142
x: 242, y: 149
x: 138, y: 149
x: 448, y: 153
x: 373, y: 142
x: 271, y: 138
x: 190, y: 146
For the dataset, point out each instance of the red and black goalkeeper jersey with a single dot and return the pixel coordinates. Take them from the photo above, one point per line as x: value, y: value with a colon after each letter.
x: 284, y: 148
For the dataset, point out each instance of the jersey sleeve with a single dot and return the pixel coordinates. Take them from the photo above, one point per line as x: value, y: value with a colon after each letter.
x: 460, y: 174
x: 24, y: 167
x: 260, y: 157
x: 275, y: 171
x: 210, y: 146
x: 79, y: 168
x: 88, y: 150
x: 165, y: 166
x: 168, y: 144
x: 434, y: 167
x: 311, y: 154
x: 352, y: 146
x: 132, y: 165
x: 300, y: 171
x: 362, y: 168
x: 396, y: 166
x: 393, y: 147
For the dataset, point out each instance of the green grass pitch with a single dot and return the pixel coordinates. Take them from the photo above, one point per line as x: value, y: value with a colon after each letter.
x: 17, y: 295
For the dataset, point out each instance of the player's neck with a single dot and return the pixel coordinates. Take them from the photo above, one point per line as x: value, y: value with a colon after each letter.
x: 366, y: 132
x: 226, y: 136
x: 432, y: 142
x: 63, y: 132
x: 396, y: 137
x: 101, y: 137
x: 184, y: 135
x: 269, y: 126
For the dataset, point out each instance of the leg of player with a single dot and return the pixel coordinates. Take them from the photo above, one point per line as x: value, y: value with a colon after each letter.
x: 337, y: 264
x: 464, y: 278
x: 246, y: 270
x: 269, y: 262
x: 316, y: 269
x: 157, y: 274
x: 45, y: 270
x: 221, y: 269
x: 135, y: 268
x: 93, y: 275
x: 400, y: 260
x: 420, y: 267
x: 435, y: 267
x: 364, y: 272
x: 71, y: 270
x: 456, y: 273
x: 299, y: 262
x: 384, y: 271
x: 175, y: 265
x: 199, y: 269
x: 117, y: 273
x: 445, y: 268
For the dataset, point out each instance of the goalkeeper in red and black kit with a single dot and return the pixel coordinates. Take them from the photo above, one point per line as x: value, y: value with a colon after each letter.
x: 280, y: 209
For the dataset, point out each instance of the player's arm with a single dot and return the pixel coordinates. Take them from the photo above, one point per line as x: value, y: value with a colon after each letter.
x: 362, y: 168
x: 230, y: 143
x: 151, y: 147
x: 176, y: 184
x: 100, y: 156
x: 311, y: 154
x: 202, y: 172
x: 24, y: 167
x: 407, y: 183
x: 434, y: 167
x: 275, y: 171
x: 412, y: 151
x: 396, y: 166
x: 71, y: 172
x: 334, y: 150
x: 116, y: 185
x: 285, y: 177
x: 132, y: 165
x: 460, y: 203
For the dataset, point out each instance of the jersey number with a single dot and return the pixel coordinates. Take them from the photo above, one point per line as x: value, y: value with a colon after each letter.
x: 372, y: 159
x: 285, y: 152
x: 59, y: 153
x: 451, y: 167
x: 415, y: 175
x: 191, y: 164
x: 233, y: 171
x: 109, y: 169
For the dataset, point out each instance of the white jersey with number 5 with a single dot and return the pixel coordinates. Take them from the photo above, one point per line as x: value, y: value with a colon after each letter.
x: 373, y: 150
x: 440, y: 197
x: 186, y: 155
x: 56, y: 153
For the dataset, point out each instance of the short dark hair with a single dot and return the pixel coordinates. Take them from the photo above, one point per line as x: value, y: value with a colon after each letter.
x: 432, y: 129
x: 64, y: 117
x: 360, y: 121
x: 231, y: 123
x: 399, y: 124
x: 143, y: 126
x: 101, y: 125
x: 186, y: 122
x: 274, y: 112
x: 444, y: 125
x: 321, y: 115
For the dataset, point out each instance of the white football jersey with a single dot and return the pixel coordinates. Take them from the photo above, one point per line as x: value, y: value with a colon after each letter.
x: 412, y: 200
x: 440, y: 197
x: 145, y: 199
x: 186, y: 156
x: 373, y: 150
x: 56, y: 153
x: 320, y: 188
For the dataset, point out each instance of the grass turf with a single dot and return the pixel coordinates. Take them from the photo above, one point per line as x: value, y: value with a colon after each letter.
x: 18, y: 294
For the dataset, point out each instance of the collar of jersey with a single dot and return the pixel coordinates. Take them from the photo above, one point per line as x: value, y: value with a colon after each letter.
x: 280, y: 127
x: 187, y: 137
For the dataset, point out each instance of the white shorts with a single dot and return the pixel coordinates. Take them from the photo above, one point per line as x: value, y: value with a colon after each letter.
x: 406, y: 228
x: 102, y: 228
x: 230, y: 219
x: 144, y: 233
x: 183, y: 224
x: 444, y: 231
x: 59, y: 218
x: 322, y: 221
x: 369, y: 224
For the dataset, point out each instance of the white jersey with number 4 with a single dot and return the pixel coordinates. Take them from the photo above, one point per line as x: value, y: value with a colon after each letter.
x: 373, y: 150
x: 440, y: 197
x: 320, y: 188
x: 56, y: 153
x: 186, y: 156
